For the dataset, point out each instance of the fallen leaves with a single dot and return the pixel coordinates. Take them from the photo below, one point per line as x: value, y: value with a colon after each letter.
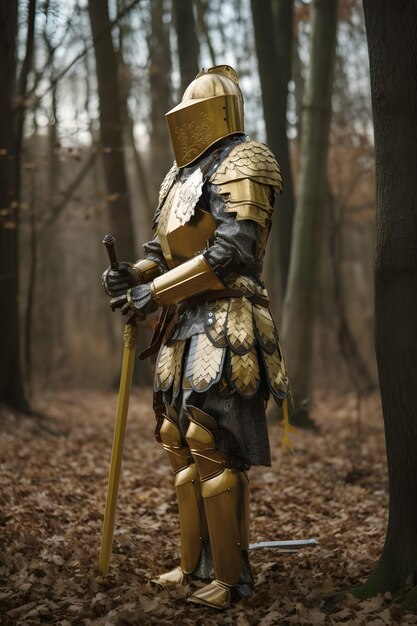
x: 53, y: 483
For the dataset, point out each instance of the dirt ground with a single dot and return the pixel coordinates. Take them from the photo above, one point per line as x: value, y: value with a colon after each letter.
x: 52, y: 490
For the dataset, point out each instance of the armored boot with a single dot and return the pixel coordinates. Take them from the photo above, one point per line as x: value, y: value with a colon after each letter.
x: 195, y: 548
x: 226, y: 498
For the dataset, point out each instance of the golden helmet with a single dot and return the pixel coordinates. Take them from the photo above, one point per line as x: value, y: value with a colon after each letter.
x: 211, y: 108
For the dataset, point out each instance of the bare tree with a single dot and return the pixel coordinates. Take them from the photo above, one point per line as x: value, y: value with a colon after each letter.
x: 187, y: 41
x: 126, y: 90
x: 203, y: 29
x: 12, y: 112
x: 301, y: 295
x: 111, y: 128
x: 392, y: 27
x: 161, y: 101
x: 273, y: 39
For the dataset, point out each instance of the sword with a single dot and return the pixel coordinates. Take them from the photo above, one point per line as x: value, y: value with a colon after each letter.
x: 129, y: 338
x: 292, y: 545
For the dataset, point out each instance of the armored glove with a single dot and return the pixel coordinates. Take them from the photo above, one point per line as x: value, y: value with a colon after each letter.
x: 117, y: 282
x: 137, y: 302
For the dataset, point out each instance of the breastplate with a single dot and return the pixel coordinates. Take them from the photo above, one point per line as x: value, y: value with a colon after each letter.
x: 184, y: 227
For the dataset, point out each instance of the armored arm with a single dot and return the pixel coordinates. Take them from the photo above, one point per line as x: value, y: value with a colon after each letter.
x: 240, y: 196
x: 233, y: 249
x: 117, y: 280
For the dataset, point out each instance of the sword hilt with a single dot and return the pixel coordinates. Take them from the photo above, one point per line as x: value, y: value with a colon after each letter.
x: 109, y: 242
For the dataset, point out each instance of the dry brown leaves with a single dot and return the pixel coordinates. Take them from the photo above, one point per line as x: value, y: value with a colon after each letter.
x: 53, y: 483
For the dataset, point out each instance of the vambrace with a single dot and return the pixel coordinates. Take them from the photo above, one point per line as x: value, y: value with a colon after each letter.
x: 147, y: 269
x: 191, y: 278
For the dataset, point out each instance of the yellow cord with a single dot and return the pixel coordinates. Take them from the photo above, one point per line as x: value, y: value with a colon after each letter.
x: 285, y: 424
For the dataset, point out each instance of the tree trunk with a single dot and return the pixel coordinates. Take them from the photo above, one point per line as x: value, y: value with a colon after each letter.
x: 11, y: 383
x: 273, y: 40
x: 187, y: 41
x: 391, y: 31
x: 160, y: 84
x: 146, y: 207
x: 202, y: 7
x: 111, y: 129
x: 301, y: 296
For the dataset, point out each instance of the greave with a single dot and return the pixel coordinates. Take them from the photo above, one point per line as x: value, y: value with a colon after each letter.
x: 226, y: 497
x: 193, y: 526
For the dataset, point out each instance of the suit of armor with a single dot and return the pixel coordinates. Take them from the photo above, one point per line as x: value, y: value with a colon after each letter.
x: 221, y: 357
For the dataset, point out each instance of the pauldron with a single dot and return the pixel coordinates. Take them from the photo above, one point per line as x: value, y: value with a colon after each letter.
x: 248, y: 179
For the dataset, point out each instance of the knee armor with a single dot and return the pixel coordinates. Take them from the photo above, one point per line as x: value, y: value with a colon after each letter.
x: 226, y: 497
x: 193, y: 526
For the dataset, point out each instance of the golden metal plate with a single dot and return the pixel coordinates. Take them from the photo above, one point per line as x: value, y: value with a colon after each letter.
x: 240, y: 333
x: 244, y: 372
x: 189, y: 279
x: 265, y: 328
x: 168, y: 368
x: 183, y: 227
x: 276, y: 373
x: 164, y: 372
x: 196, y: 124
x: 177, y: 365
x: 252, y: 160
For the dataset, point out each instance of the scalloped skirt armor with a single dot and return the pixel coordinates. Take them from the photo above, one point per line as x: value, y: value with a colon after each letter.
x: 229, y: 369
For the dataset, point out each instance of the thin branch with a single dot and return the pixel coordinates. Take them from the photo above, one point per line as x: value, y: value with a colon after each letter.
x: 88, y: 47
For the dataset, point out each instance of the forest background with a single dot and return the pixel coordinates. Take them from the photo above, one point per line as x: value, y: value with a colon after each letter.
x: 69, y: 200
x: 85, y: 155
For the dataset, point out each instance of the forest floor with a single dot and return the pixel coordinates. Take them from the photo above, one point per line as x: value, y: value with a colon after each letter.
x: 53, y: 481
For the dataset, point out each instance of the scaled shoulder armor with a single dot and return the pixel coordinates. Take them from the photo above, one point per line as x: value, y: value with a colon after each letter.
x: 248, y: 178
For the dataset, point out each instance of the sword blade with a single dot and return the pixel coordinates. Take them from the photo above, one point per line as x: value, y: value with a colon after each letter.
x: 287, y: 546
x: 128, y: 362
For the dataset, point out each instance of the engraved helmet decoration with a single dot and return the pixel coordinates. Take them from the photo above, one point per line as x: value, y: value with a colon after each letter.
x: 211, y: 108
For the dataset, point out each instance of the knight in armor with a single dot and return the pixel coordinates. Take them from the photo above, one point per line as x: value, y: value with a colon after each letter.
x: 220, y: 358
